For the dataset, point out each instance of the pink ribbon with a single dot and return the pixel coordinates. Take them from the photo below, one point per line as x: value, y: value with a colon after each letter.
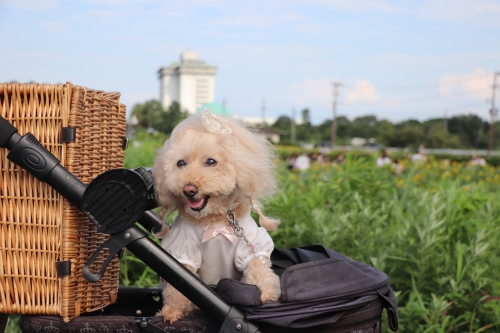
x: 211, y: 231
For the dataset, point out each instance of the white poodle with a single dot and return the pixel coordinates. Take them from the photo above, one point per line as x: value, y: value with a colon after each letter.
x: 212, y: 171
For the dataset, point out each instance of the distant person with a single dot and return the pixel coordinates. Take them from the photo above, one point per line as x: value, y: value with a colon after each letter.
x: 291, y: 161
x: 418, y: 157
x: 397, y: 167
x: 477, y: 160
x: 383, y: 159
x: 324, y: 149
x: 314, y: 157
x: 322, y: 159
x: 340, y: 159
x: 302, y: 162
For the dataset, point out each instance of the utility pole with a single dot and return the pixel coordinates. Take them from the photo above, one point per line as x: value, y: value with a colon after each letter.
x: 493, y: 112
x: 292, y: 130
x: 336, y: 86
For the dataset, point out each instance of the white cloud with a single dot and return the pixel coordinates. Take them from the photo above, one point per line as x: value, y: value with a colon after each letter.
x: 363, y: 92
x: 476, y: 85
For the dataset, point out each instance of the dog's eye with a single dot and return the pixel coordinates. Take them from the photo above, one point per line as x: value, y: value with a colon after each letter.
x: 181, y: 163
x: 211, y: 162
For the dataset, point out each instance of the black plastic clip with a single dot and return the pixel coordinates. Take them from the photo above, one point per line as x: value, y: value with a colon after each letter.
x: 68, y: 134
x: 63, y: 268
x: 124, y: 143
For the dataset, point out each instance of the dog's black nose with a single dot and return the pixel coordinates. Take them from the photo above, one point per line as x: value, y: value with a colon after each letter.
x: 190, y: 190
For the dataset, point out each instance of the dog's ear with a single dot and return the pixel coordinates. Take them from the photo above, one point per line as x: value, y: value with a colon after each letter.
x: 254, y: 160
x: 164, y: 197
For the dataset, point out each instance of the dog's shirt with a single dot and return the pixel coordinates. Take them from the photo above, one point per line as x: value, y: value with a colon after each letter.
x: 212, y: 252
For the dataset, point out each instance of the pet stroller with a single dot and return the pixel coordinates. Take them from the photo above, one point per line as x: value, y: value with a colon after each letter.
x: 116, y: 199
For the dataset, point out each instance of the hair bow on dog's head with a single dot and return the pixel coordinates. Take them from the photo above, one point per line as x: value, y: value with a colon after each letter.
x: 214, y: 124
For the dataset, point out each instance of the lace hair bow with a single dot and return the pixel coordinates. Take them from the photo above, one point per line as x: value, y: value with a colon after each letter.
x: 214, y: 124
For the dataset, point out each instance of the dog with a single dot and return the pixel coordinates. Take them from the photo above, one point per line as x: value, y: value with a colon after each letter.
x: 213, y: 171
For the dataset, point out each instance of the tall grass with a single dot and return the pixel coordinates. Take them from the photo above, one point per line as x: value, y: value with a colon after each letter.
x: 434, y: 230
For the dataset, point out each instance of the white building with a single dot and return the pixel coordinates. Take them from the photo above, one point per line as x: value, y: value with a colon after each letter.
x: 191, y: 82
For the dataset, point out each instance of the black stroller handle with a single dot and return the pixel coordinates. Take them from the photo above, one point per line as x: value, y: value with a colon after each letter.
x: 28, y: 153
x: 7, y: 131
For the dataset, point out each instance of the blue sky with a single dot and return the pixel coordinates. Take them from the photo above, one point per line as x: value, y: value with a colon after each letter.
x: 395, y: 59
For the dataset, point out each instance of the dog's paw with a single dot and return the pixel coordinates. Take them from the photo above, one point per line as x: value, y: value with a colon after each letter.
x: 171, y: 314
x: 175, y: 305
x: 271, y: 290
x: 259, y: 273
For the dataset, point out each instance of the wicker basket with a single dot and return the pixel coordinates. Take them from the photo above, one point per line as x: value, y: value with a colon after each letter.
x: 39, y: 228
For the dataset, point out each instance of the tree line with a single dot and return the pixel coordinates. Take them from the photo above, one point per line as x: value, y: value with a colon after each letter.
x: 459, y: 132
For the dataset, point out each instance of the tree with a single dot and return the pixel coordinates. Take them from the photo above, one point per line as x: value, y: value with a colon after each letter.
x: 465, y: 131
x: 151, y: 114
x: 386, y: 132
x: 409, y: 136
x: 148, y: 113
x: 172, y: 117
x: 437, y: 137
x: 343, y: 127
x: 364, y: 127
x: 472, y: 130
x: 283, y: 123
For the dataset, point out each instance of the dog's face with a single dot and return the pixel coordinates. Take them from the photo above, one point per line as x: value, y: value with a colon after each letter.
x: 199, y: 174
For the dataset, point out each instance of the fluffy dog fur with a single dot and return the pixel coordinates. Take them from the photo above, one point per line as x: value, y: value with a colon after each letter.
x: 243, y: 172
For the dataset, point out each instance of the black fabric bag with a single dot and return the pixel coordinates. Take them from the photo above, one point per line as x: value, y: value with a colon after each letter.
x: 323, y: 292
x: 319, y: 287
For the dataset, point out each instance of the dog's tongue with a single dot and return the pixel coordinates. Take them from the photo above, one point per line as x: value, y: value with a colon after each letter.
x: 196, y: 204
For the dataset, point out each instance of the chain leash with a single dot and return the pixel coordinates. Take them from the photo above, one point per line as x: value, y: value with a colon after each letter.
x: 240, y: 232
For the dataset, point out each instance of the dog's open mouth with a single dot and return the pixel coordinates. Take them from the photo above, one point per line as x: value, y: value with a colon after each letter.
x: 198, y: 205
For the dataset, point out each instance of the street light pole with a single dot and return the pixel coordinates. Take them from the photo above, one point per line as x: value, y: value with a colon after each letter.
x: 493, y: 113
